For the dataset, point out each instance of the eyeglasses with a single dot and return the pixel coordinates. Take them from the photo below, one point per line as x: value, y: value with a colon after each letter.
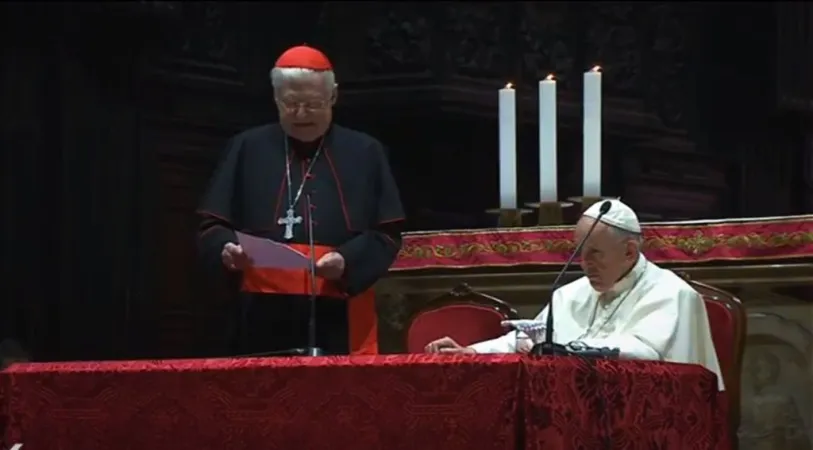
x: 309, y: 106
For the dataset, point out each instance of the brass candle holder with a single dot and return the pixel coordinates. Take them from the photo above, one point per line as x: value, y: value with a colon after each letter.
x: 509, y: 218
x: 550, y: 213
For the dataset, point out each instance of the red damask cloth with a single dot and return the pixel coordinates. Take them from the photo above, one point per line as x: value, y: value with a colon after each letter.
x: 482, y: 402
x: 766, y: 239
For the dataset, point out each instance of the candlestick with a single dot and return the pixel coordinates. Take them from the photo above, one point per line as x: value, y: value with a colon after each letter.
x: 550, y: 213
x: 592, y: 133
x: 508, y: 147
x: 548, y: 183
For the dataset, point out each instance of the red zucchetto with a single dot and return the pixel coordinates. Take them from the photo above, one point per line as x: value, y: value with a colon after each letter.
x: 304, y: 57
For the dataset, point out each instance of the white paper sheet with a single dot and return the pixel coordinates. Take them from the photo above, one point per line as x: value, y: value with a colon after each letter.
x: 265, y: 253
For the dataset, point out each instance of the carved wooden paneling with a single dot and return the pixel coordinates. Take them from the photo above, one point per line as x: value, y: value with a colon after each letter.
x: 206, y: 45
x: 469, y: 51
x: 616, y: 40
x: 398, y: 40
x: 548, y: 43
x: 664, y: 160
x: 667, y: 203
x: 777, y: 378
x: 794, y: 52
x: 664, y: 180
x: 479, y: 38
x: 185, y: 156
x: 159, y: 9
x: 224, y: 108
x: 642, y: 50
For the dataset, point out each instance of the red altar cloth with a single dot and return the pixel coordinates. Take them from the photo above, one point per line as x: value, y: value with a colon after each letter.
x: 572, y: 403
x: 766, y: 239
x: 407, y: 402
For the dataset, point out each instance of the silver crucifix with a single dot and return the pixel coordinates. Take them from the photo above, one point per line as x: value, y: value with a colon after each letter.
x: 289, y: 221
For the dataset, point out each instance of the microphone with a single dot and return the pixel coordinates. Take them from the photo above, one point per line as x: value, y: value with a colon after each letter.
x: 312, y: 349
x: 579, y: 349
x: 549, y: 347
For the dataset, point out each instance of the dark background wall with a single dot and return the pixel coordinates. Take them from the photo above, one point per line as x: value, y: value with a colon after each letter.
x: 112, y: 115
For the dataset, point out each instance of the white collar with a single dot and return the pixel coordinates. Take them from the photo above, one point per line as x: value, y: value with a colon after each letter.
x: 629, y: 280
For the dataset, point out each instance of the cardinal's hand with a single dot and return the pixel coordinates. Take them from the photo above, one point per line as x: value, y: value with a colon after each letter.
x: 330, y: 266
x: 234, y: 258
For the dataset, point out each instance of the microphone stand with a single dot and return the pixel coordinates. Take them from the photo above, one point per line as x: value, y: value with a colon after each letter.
x: 549, y: 347
x: 288, y: 352
x: 312, y: 349
x: 588, y: 354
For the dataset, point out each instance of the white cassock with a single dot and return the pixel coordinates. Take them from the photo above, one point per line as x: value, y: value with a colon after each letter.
x: 651, y: 314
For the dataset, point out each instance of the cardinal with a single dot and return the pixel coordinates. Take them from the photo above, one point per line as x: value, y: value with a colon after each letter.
x: 279, y: 181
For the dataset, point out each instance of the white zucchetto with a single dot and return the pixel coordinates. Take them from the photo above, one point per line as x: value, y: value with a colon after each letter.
x: 619, y: 216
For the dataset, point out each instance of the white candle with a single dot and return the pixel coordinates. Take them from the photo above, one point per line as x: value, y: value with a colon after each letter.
x: 592, y: 133
x: 547, y: 140
x: 508, y: 147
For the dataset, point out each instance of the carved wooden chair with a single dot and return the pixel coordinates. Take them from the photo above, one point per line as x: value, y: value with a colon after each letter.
x: 728, y: 331
x: 465, y: 315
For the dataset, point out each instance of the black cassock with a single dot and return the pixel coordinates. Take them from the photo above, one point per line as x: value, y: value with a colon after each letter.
x: 355, y: 209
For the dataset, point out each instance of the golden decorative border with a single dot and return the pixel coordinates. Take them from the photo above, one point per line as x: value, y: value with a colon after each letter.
x: 662, y: 243
x: 684, y: 225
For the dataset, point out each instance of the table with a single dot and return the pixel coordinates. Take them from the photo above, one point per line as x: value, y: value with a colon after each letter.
x: 572, y: 403
x: 482, y: 402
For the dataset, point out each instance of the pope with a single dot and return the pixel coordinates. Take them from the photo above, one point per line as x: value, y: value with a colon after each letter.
x: 274, y: 181
x: 623, y: 301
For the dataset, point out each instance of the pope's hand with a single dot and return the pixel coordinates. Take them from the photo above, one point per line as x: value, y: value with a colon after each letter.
x: 330, y: 266
x: 447, y: 345
x: 234, y: 258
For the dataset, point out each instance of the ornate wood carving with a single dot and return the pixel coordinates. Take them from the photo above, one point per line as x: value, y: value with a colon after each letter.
x: 777, y: 392
x: 665, y: 180
x: 398, y: 41
x: 206, y: 45
x: 394, y: 307
x: 481, y: 46
x: 549, y: 43
x: 141, y: 8
x: 473, y: 49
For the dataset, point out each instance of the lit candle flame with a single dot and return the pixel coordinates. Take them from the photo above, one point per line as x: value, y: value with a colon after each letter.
x: 596, y: 69
x: 509, y: 85
x: 549, y: 77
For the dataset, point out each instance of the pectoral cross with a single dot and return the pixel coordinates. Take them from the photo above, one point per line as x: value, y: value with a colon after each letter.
x: 289, y: 221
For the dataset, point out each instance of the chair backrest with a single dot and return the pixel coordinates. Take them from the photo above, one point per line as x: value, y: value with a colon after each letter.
x: 728, y: 331
x: 462, y: 314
